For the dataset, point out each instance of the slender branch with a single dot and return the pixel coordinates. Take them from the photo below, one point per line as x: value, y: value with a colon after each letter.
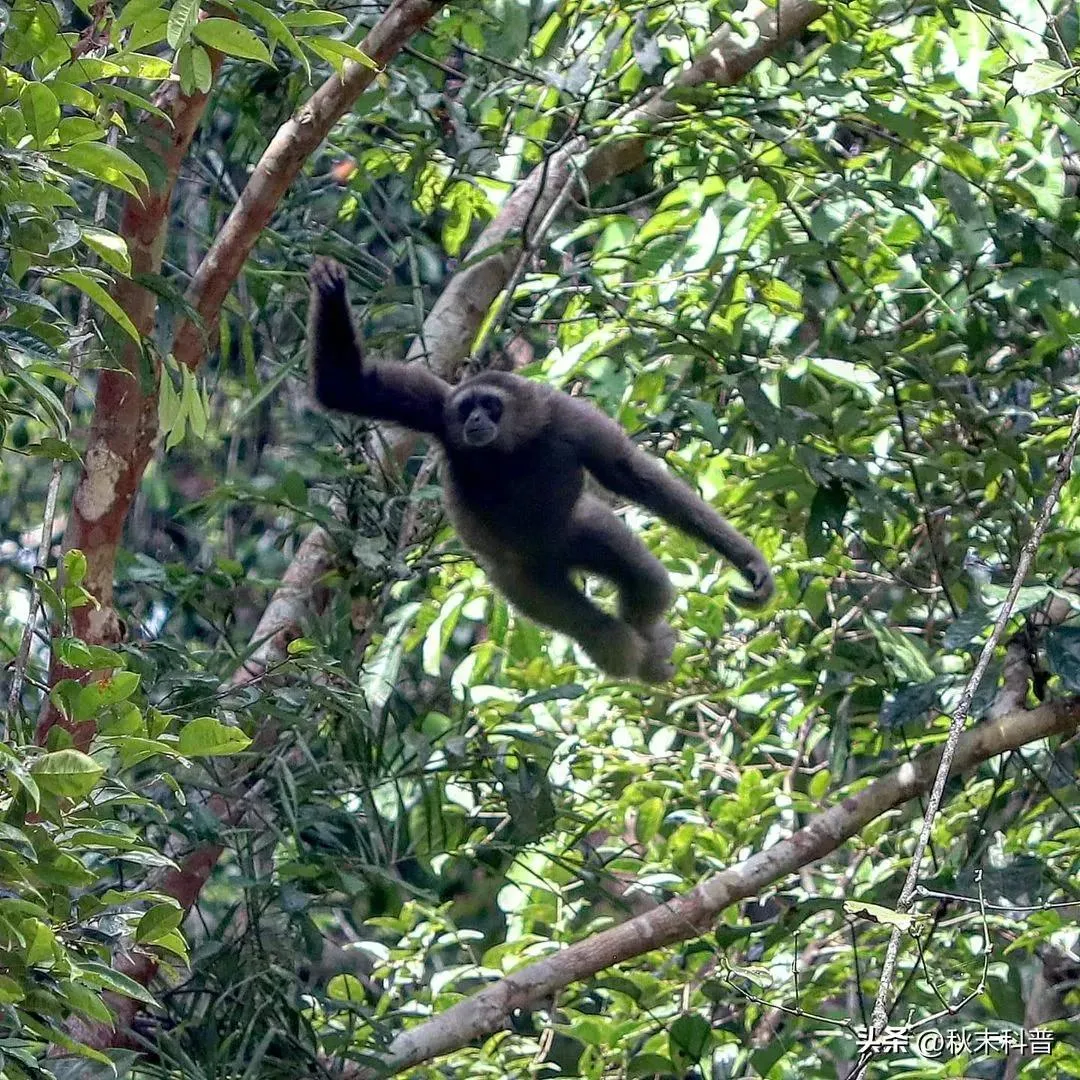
x: 906, y: 899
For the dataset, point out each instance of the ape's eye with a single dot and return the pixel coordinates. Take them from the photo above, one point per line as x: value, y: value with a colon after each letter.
x: 492, y: 406
x: 464, y: 409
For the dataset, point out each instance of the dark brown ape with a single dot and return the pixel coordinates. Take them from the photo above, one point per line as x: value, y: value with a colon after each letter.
x: 516, y: 456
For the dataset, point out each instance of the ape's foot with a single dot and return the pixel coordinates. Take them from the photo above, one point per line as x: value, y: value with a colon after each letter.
x: 656, y: 665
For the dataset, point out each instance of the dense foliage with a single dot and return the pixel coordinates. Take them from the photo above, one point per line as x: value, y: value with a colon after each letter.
x: 839, y: 297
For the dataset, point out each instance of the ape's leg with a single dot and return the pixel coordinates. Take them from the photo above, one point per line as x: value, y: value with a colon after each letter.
x: 549, y: 597
x: 601, y: 544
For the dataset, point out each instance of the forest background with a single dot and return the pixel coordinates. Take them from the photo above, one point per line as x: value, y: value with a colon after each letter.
x: 285, y: 788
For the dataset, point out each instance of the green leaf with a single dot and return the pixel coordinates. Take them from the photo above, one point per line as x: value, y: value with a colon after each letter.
x: 183, y: 16
x: 346, y: 988
x: 307, y: 20
x: 172, y: 420
x: 232, y: 39
x: 75, y: 567
x: 103, y: 300
x: 877, y: 913
x: 1041, y: 76
x: 111, y: 248
x: 208, y: 737
x: 174, y: 943
x: 40, y: 941
x: 94, y: 974
x: 103, y: 162
x: 650, y: 815
x: 193, y: 405
x: 101, y: 693
x: 56, y: 449
x: 196, y: 71
x: 455, y: 229
x: 134, y: 10
x: 71, y: 774
x: 40, y: 110
x: 84, y: 1001
x: 158, y: 922
x: 688, y: 1039
x: 336, y: 52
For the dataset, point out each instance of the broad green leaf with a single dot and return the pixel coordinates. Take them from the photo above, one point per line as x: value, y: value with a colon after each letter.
x: 71, y: 774
x: 110, y: 247
x: 336, y: 52
x: 650, y: 815
x: 85, y: 1001
x: 40, y: 941
x: 137, y: 9
x: 877, y: 913
x: 193, y: 405
x: 232, y: 39
x: 94, y: 974
x: 183, y: 15
x: 10, y: 991
x: 689, y: 1038
x: 1041, y: 76
x: 158, y: 922
x: 103, y: 162
x: 143, y: 66
x: 196, y: 72
x: 104, y: 692
x: 75, y: 567
x: 56, y: 449
x: 40, y: 110
x: 307, y: 20
x: 208, y: 737
x: 346, y: 988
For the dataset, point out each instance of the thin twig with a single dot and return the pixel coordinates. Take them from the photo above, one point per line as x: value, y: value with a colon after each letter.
x: 880, y: 1014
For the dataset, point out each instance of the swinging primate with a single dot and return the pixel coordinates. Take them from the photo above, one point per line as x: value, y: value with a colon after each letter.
x: 514, y: 486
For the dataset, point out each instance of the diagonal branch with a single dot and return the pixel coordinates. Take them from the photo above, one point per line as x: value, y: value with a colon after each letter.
x: 694, y: 913
x: 279, y: 165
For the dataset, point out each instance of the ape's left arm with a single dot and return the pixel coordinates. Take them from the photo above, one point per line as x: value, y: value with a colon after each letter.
x: 625, y: 469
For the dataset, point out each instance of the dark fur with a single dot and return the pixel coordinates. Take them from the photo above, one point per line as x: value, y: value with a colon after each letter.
x: 516, y: 456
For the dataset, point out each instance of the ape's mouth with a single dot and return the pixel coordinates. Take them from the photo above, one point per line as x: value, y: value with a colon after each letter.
x: 480, y: 434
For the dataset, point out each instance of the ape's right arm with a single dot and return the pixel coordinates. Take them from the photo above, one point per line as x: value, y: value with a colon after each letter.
x: 341, y: 379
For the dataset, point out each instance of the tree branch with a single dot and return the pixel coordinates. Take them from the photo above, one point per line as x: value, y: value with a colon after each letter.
x: 880, y: 1015
x: 125, y: 421
x: 279, y: 165
x: 695, y: 912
